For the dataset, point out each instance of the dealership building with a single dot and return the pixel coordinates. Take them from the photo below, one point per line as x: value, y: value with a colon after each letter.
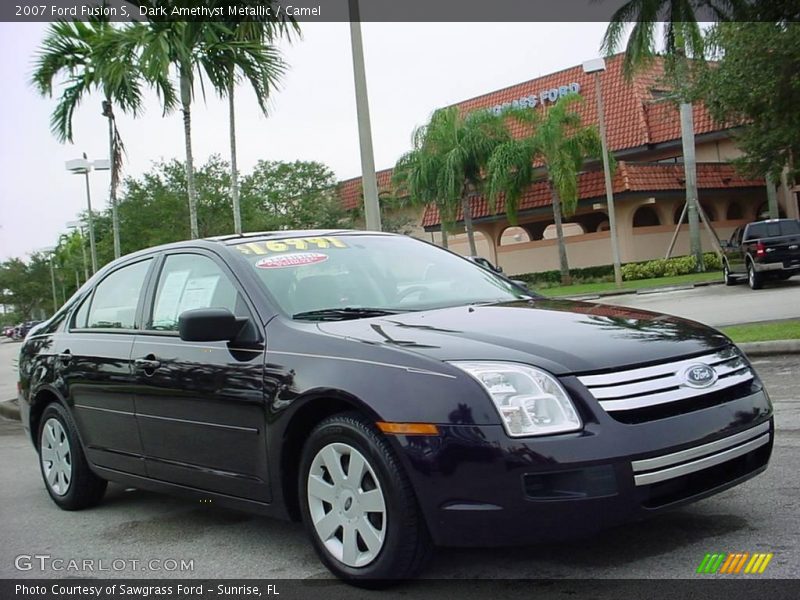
x: 643, y: 132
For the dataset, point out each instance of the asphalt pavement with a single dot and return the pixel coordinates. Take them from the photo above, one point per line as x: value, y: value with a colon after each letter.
x: 720, y: 305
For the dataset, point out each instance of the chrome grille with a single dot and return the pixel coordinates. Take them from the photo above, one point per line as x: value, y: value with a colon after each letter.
x: 659, y: 384
x: 677, y: 464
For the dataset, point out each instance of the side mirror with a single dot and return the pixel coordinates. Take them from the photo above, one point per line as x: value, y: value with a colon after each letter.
x: 209, y: 325
x: 725, y: 245
x: 520, y: 283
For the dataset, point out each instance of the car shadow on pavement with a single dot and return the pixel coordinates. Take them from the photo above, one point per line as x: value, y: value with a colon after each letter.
x: 154, y: 515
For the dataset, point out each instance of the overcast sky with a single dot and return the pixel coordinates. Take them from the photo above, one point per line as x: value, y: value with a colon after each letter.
x: 411, y: 70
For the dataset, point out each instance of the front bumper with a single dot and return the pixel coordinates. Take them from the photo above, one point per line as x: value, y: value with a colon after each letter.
x: 479, y: 487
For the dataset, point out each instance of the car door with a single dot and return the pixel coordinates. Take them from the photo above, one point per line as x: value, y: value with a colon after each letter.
x: 735, y: 253
x: 200, y: 406
x: 95, y: 364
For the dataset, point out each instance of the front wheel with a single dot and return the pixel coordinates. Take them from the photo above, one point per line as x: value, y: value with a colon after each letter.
x: 726, y: 275
x: 67, y: 476
x: 358, y: 505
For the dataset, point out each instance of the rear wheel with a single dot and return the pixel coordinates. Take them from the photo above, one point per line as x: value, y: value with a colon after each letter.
x: 67, y: 476
x: 357, y: 504
x: 754, y: 278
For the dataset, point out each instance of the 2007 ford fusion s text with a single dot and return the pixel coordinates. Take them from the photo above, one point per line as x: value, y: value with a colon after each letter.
x: 388, y: 393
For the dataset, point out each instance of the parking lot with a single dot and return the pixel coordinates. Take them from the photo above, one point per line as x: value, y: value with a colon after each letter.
x: 762, y: 515
x: 720, y: 305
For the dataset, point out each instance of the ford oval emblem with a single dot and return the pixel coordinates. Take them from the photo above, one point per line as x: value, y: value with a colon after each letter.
x: 699, y: 375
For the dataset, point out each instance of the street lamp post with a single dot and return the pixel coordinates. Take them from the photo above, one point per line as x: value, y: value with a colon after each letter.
x: 78, y: 226
x: 82, y: 166
x: 369, y: 182
x: 597, y: 66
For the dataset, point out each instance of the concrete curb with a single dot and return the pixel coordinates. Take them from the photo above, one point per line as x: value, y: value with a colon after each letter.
x: 770, y: 348
x: 10, y: 409
x: 655, y: 290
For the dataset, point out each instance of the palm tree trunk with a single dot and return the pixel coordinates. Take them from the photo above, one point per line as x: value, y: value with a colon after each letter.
x: 566, y: 279
x: 114, y: 165
x: 237, y: 213
x: 690, y: 170
x: 445, y: 243
x: 186, y: 102
x: 466, y: 209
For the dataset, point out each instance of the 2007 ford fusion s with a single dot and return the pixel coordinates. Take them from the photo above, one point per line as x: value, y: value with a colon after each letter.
x: 390, y: 394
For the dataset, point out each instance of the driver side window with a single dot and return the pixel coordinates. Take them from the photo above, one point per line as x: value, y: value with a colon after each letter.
x: 189, y: 281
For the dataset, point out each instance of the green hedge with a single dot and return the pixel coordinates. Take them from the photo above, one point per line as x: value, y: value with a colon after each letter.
x: 669, y: 267
x: 661, y: 267
x: 585, y: 275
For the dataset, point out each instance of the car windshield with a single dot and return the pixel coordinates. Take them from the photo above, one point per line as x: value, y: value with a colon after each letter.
x: 355, y: 276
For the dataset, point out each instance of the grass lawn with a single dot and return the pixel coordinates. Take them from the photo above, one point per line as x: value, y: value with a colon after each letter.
x: 594, y: 288
x: 763, y: 332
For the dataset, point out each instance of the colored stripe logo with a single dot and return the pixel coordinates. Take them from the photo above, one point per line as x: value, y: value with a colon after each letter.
x: 722, y: 563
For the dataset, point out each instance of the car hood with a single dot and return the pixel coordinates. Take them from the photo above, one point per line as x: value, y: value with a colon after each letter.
x: 562, y: 336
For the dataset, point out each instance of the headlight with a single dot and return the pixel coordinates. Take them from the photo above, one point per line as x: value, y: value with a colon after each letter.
x: 530, y: 401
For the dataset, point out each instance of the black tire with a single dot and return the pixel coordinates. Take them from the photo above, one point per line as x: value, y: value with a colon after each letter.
x: 84, y: 489
x: 726, y: 275
x: 406, y: 545
x: 754, y: 278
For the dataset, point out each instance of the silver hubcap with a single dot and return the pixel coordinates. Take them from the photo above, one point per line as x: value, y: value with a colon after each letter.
x: 346, y: 505
x: 56, y: 457
x: 751, y: 275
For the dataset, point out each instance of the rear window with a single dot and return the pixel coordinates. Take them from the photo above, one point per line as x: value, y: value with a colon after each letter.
x: 776, y: 229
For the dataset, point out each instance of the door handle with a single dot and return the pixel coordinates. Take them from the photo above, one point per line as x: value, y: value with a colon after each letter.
x: 148, y: 363
x: 65, y: 356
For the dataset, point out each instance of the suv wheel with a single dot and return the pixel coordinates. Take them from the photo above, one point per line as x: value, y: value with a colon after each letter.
x: 357, y: 504
x: 754, y: 277
x: 67, y: 476
x: 726, y: 275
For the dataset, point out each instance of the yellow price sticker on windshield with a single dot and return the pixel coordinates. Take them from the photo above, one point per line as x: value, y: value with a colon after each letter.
x: 290, y: 244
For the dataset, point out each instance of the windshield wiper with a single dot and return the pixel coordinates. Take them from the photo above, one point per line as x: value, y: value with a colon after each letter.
x: 340, y: 314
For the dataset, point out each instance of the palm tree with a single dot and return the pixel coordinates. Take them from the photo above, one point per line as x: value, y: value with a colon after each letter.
x: 91, y: 57
x: 414, y: 177
x: 683, y: 41
x: 193, y: 51
x: 446, y: 163
x: 561, y: 143
x: 263, y: 74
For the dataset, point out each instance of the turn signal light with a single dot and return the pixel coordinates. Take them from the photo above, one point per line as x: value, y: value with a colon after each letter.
x: 760, y: 249
x: 408, y: 428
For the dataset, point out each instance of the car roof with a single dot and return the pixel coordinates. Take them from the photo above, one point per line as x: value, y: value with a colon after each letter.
x: 233, y: 239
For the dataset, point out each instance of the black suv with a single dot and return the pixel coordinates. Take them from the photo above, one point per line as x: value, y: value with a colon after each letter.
x: 762, y: 250
x: 388, y: 393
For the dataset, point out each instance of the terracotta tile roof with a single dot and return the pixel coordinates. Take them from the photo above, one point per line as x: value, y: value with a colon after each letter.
x: 628, y: 177
x: 635, y: 116
x: 350, y: 190
x: 664, y: 121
